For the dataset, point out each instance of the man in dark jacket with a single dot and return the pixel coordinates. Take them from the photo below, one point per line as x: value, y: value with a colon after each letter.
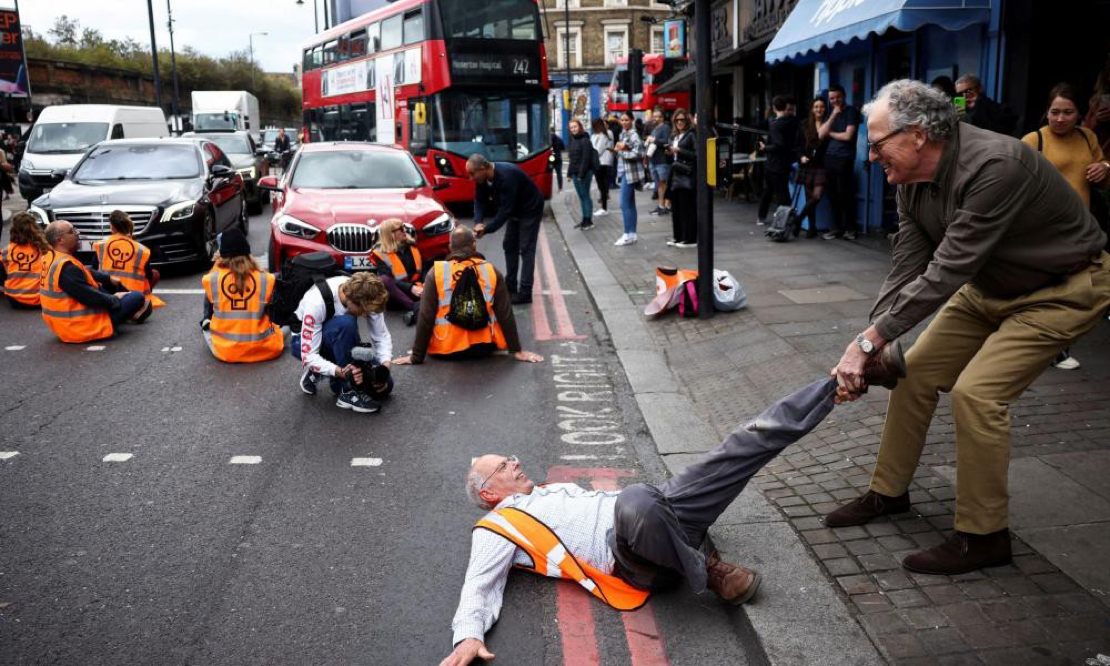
x: 505, y: 191
x: 982, y: 111
x: 781, y: 148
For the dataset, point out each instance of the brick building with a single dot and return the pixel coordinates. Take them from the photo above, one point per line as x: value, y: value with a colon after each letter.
x: 600, y: 32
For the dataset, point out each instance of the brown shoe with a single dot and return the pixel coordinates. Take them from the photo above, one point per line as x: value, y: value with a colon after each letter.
x: 887, y: 367
x: 734, y: 584
x: 866, y: 507
x: 962, y: 552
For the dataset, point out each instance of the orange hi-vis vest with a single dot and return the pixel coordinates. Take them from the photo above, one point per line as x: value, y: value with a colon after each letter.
x: 448, y: 338
x: 126, y: 260
x: 24, y: 265
x: 550, y: 558
x: 66, y: 316
x: 241, y: 330
x: 392, y: 260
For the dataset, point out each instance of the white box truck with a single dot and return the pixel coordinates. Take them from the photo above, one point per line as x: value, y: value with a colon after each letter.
x: 63, y: 133
x: 230, y: 110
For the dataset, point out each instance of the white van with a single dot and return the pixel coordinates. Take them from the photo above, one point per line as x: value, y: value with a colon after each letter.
x: 62, y: 134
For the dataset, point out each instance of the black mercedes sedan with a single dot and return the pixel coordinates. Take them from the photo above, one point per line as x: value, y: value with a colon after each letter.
x: 180, y: 193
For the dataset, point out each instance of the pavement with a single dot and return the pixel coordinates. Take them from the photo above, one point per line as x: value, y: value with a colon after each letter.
x: 839, y: 596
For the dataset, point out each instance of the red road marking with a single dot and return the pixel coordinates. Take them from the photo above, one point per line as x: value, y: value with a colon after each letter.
x: 540, y: 329
x: 563, y: 324
x: 576, y: 624
x: 645, y: 643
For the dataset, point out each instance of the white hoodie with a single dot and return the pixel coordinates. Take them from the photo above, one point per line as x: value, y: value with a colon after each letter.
x: 312, y: 313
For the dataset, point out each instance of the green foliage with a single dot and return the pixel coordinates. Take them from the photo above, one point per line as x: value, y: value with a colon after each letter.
x: 278, y: 97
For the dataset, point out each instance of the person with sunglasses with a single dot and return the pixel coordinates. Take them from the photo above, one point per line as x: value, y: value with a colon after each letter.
x: 400, y: 267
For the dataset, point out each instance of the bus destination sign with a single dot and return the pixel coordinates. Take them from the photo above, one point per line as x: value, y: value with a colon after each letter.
x: 495, y: 66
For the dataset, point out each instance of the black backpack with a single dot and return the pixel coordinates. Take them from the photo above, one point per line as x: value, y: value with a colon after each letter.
x: 298, y: 275
x: 785, y: 220
x: 468, y: 304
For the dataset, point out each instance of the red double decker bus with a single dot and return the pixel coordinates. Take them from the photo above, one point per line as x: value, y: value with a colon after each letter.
x: 657, y: 71
x: 442, y: 78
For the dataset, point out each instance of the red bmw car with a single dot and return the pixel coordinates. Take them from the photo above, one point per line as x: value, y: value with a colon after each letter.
x: 334, y: 195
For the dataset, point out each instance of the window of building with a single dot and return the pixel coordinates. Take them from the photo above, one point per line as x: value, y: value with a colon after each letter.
x: 575, y: 47
x: 414, y: 26
x: 392, y: 32
x: 657, y: 39
x: 616, y: 44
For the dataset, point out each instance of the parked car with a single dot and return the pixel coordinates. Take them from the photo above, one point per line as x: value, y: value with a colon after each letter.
x: 63, y: 133
x: 180, y: 193
x: 242, y: 151
x: 335, y: 194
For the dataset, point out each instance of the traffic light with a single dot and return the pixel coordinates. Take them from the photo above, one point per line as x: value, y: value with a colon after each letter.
x: 636, y: 72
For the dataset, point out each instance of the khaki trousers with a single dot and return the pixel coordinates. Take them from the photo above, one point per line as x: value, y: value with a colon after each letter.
x: 984, y: 351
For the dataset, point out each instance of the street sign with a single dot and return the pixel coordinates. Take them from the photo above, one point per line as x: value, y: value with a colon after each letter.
x: 13, y: 65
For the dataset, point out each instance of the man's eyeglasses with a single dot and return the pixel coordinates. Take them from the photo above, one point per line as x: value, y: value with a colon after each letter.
x: 878, y: 145
x: 500, y: 468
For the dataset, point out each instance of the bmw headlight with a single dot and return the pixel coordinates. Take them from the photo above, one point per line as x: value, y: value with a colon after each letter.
x: 180, y: 211
x: 441, y: 225
x: 249, y: 174
x: 41, y: 217
x: 291, y: 226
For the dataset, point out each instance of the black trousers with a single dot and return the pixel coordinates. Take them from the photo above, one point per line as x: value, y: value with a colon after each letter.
x: 660, y: 531
x: 520, y: 253
x: 684, y: 215
x: 602, y: 178
x: 777, y: 187
x: 839, y: 188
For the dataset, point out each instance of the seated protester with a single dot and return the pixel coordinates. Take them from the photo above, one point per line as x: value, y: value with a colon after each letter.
x: 236, y: 327
x: 23, y: 262
x: 329, y: 335
x: 126, y: 259
x: 436, y: 334
x: 80, y: 305
x: 400, y: 266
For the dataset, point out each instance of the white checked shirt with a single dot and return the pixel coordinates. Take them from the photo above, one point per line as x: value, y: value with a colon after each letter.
x: 581, y: 518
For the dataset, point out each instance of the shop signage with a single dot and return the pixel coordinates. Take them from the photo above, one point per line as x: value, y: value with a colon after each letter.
x: 767, y: 16
x: 13, y: 67
x: 721, y: 28
x: 674, y: 37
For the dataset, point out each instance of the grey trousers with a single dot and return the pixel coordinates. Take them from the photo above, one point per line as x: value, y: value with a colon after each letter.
x: 660, y: 532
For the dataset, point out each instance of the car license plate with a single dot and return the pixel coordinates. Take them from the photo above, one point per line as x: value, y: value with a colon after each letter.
x: 358, y: 263
x: 84, y: 246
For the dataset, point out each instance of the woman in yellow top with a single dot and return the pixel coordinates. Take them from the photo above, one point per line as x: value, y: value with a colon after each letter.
x: 1075, y: 152
x: 23, y: 262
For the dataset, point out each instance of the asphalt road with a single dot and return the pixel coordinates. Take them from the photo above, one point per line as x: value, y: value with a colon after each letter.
x: 179, y: 556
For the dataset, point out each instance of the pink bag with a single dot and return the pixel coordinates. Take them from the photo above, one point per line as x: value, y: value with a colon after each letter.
x: 688, y: 301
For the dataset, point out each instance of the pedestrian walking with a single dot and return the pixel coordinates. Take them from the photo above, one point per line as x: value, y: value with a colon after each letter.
x: 506, y: 189
x: 557, y: 148
x: 582, y: 162
x: 602, y: 143
x: 684, y: 150
x: 840, y: 164
x: 995, y: 238
x: 630, y: 173
x: 659, y: 160
x: 781, y: 148
x: 1075, y: 152
x: 812, y: 163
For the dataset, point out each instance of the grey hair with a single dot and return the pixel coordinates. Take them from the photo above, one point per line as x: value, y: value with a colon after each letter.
x: 971, y: 80
x: 54, y: 231
x: 473, y: 487
x: 478, y: 161
x: 913, y: 103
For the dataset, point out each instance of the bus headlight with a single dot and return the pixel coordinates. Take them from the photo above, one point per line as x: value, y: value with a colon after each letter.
x: 441, y: 225
x: 291, y: 226
x: 444, y: 166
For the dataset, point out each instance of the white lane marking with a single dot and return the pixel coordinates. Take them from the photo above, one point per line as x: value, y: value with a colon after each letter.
x: 8, y: 455
x: 366, y: 462
x: 195, y: 292
x: 589, y: 457
x: 96, y: 348
x: 175, y: 349
x: 118, y: 457
x: 245, y: 460
x: 15, y: 348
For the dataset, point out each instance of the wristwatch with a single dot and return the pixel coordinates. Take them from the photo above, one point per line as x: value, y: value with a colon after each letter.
x: 866, y: 345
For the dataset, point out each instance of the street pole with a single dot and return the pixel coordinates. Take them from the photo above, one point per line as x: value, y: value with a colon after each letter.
x: 154, y: 54
x: 566, y: 52
x: 173, y: 68
x: 250, y: 42
x: 703, y: 61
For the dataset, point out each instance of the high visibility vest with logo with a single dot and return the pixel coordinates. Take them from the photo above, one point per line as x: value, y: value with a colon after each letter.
x: 24, y: 265
x: 241, y: 330
x: 550, y: 558
x: 392, y: 260
x: 448, y: 338
x: 66, y: 316
x: 126, y: 259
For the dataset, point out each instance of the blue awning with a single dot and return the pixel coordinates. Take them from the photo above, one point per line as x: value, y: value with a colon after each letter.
x: 817, y: 24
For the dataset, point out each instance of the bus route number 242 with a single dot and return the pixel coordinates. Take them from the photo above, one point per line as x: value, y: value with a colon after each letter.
x: 522, y: 66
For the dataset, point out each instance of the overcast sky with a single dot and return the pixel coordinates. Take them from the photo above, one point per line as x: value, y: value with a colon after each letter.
x: 212, y: 27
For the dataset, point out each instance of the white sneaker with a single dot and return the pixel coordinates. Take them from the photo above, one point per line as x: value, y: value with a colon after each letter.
x: 601, y: 211
x: 687, y: 244
x: 1067, y: 363
x: 632, y: 238
x: 672, y: 242
x: 623, y: 240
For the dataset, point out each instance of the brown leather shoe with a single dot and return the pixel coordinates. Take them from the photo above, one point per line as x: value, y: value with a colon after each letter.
x: 962, y: 552
x: 734, y: 584
x: 887, y: 367
x: 866, y: 507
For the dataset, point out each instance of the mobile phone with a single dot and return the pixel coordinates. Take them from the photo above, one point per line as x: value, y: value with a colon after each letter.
x: 960, y: 101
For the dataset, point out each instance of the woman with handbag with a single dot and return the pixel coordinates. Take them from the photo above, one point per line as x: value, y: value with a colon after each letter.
x: 1075, y: 152
x: 630, y: 172
x: 680, y: 186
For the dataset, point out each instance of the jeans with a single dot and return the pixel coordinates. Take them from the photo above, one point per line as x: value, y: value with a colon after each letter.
x: 582, y: 187
x: 661, y: 531
x: 628, y: 205
x: 132, y: 302
x: 520, y: 252
x: 340, y: 336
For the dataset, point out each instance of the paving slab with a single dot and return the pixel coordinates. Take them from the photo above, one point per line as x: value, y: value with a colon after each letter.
x: 830, y: 294
x: 1089, y: 468
x: 1081, y: 551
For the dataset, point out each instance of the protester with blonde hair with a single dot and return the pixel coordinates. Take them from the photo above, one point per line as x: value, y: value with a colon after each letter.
x: 237, y: 291
x: 400, y: 267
